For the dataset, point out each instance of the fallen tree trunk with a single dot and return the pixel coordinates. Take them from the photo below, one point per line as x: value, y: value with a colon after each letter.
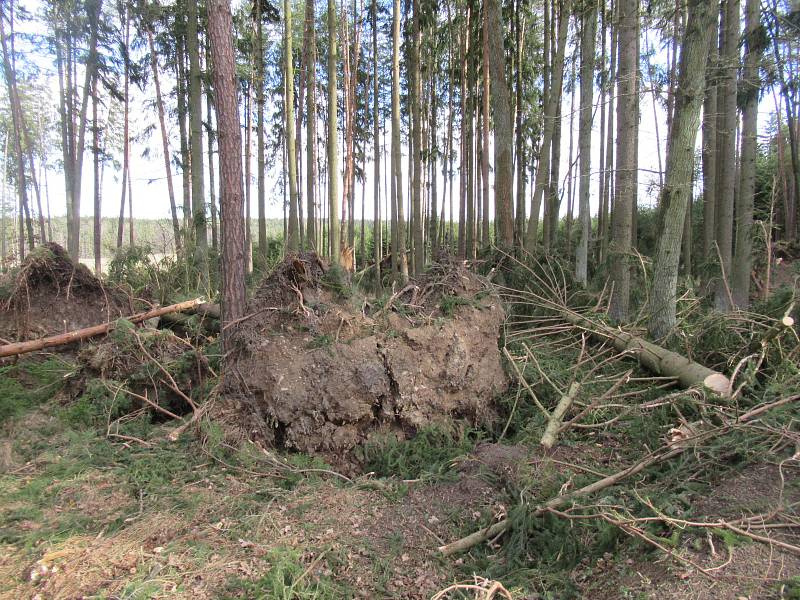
x: 655, y: 358
x: 210, y: 317
x: 82, y: 334
x: 207, y: 309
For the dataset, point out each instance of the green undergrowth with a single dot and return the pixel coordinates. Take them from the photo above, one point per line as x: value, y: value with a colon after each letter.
x: 287, y: 578
x: 429, y: 452
x: 28, y: 383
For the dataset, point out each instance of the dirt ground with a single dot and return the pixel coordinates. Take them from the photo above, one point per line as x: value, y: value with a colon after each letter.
x: 735, y: 568
x: 198, y: 529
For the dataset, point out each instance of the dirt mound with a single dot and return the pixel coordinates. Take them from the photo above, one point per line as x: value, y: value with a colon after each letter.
x: 51, y: 294
x: 321, y: 372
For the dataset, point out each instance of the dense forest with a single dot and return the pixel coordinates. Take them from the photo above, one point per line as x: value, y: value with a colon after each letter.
x: 364, y: 250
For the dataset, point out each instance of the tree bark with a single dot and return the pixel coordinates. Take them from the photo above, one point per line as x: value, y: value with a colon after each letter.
x: 415, y: 99
x: 333, y: 167
x: 399, y: 243
x: 588, y: 34
x: 18, y: 125
x: 377, y: 232
x: 196, y: 146
x: 726, y: 151
x: 293, y: 243
x: 551, y: 99
x: 749, y: 88
x: 220, y: 29
x: 503, y: 134
x: 310, y: 50
x: 260, y: 166
x: 709, y: 152
x: 624, y: 192
x: 98, y: 230
x: 680, y: 165
x: 176, y: 228
x: 82, y: 334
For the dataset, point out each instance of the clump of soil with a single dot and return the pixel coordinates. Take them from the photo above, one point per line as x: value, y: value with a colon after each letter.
x: 51, y: 294
x: 322, y: 372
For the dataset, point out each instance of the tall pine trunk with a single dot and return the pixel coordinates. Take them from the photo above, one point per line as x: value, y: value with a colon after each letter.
x: 680, y: 165
x: 310, y: 50
x: 176, y: 228
x: 726, y: 151
x: 749, y: 88
x: 624, y: 192
x: 503, y: 132
x: 260, y: 166
x: 588, y: 34
x: 220, y: 28
x: 333, y: 166
x: 196, y: 147
x: 293, y: 243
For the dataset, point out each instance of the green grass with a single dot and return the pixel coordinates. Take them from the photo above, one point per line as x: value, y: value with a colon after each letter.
x: 429, y: 452
x: 287, y: 578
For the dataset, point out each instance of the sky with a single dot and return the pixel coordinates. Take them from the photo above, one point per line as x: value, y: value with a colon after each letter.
x: 150, y: 197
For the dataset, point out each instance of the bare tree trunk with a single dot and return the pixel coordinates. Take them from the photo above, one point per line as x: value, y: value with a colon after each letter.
x: 608, y: 169
x: 483, y: 133
x: 176, y: 228
x: 333, y: 167
x: 521, y: 163
x: 18, y: 125
x: 433, y: 223
x: 260, y: 166
x: 624, y: 192
x: 552, y: 95
x: 310, y: 50
x: 125, y: 120
x: 503, y: 132
x: 248, y: 134
x: 294, y: 226
x: 588, y: 35
x: 196, y: 147
x: 680, y: 165
x: 212, y: 191
x: 377, y: 232
x: 220, y: 28
x: 709, y: 153
x: 463, y: 139
x: 726, y: 151
x: 749, y: 88
x: 415, y: 99
x: 571, y: 163
x: 98, y: 231
x: 186, y: 160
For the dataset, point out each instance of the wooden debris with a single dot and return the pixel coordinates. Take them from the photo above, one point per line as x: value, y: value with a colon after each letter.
x: 655, y: 358
x: 557, y: 417
x: 88, y: 332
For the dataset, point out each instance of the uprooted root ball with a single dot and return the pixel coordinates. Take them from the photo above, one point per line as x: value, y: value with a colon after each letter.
x: 319, y: 372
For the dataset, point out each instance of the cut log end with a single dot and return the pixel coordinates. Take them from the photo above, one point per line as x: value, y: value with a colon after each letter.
x: 719, y: 384
x: 787, y: 321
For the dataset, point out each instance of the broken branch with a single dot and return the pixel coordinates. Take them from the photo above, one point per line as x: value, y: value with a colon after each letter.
x: 88, y: 332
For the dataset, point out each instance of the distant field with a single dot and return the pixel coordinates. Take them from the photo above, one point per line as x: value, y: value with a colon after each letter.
x: 156, y: 233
